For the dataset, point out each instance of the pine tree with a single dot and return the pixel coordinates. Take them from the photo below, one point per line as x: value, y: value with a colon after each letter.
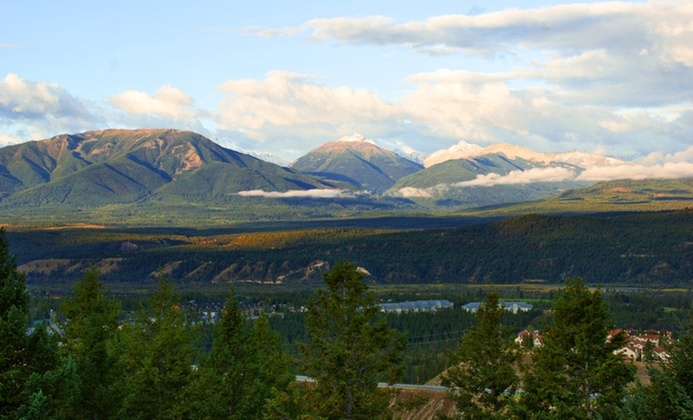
x: 670, y: 392
x: 349, y: 350
x: 575, y: 372
x: 14, y: 308
x: 158, y: 355
x: 31, y: 373
x: 244, y: 370
x: 680, y: 363
x: 92, y: 323
x: 483, y: 377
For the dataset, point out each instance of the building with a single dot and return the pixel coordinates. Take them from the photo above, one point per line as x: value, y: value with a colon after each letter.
x: 513, y: 307
x: 416, y: 306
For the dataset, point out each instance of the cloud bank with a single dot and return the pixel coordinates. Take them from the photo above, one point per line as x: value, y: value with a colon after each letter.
x: 316, y: 193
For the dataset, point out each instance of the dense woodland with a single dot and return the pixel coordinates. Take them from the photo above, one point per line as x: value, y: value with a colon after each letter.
x: 647, y: 250
x: 159, y: 361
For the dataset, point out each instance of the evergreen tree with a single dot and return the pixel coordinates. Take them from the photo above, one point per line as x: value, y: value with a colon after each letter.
x: 349, y: 350
x: 92, y: 323
x: 26, y: 360
x: 663, y: 398
x: 575, y: 373
x: 158, y: 355
x: 680, y: 363
x: 14, y: 307
x: 483, y: 377
x: 669, y: 394
x: 244, y: 370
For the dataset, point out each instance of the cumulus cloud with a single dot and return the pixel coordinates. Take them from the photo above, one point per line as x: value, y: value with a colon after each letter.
x: 46, y: 107
x: 285, y: 99
x: 520, y: 177
x: 316, y: 193
x: 22, y: 99
x: 603, y: 75
x: 167, y: 101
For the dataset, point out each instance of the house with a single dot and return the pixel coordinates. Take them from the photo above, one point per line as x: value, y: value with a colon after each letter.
x: 513, y: 307
x: 636, y: 344
x: 416, y: 306
x: 524, y: 335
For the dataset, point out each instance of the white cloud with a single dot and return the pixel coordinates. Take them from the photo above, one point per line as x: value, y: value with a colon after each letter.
x: 316, y: 193
x: 167, y: 101
x: 670, y: 170
x: 659, y: 157
x: 411, y: 192
x: 656, y: 27
x: 356, y: 137
x: 8, y: 139
x: 604, y: 76
x: 22, y: 99
x: 288, y: 100
x: 43, y: 108
x: 520, y: 177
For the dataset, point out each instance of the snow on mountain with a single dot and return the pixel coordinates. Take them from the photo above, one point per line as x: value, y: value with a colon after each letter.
x: 584, y: 159
x: 461, y: 150
x: 411, y: 154
x: 268, y: 157
x: 464, y: 150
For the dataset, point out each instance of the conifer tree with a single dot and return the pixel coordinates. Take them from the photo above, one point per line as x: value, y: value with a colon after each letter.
x: 14, y: 308
x: 575, y: 373
x: 670, y: 391
x: 245, y: 369
x: 158, y: 355
x: 680, y: 363
x: 26, y: 360
x: 90, y: 331
x: 349, y: 350
x: 483, y: 377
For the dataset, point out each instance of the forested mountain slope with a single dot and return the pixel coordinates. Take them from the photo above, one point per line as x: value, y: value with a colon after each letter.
x: 653, y: 249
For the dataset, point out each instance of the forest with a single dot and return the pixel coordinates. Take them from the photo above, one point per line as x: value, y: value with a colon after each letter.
x: 99, y: 356
x: 644, y: 250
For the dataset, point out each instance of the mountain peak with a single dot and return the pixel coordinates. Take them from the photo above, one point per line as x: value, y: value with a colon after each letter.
x: 461, y: 150
x: 358, y: 162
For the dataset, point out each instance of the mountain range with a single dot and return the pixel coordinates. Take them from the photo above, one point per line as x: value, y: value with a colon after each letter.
x: 116, y: 166
x: 151, y: 168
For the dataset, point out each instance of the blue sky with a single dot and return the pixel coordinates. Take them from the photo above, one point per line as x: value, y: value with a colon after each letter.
x: 284, y: 77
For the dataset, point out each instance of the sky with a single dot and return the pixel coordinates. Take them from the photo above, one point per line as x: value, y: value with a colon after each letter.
x: 614, y: 78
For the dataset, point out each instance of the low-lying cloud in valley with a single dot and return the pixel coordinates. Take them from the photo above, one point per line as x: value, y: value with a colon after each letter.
x: 297, y: 194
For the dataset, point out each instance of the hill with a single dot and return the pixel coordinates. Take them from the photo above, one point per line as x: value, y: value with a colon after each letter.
x: 360, y: 163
